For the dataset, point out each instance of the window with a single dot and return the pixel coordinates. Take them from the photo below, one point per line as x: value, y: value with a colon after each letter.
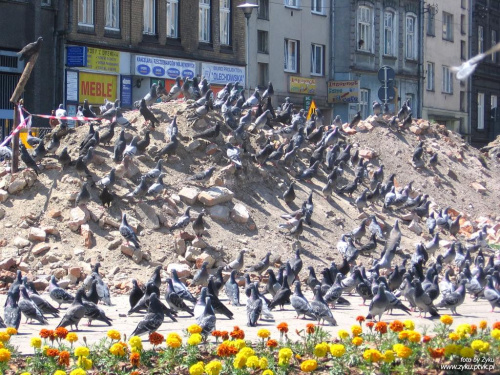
x: 112, y: 14
x: 365, y: 29
x: 263, y: 10
x: 317, y: 6
x: 463, y: 52
x: 263, y: 74
x: 480, y: 111
x: 410, y: 99
x: 448, y: 26
x: 150, y: 17
x: 463, y: 29
x: 494, y: 56
x: 464, y: 4
x: 411, y: 37
x: 317, y: 59
x: 291, y: 55
x: 447, y: 80
x: 86, y: 13
x: 430, y: 76
x: 172, y: 18
x: 204, y: 21
x: 480, y: 39
x: 493, y: 106
x: 262, y: 38
x: 462, y: 101
x: 389, y: 33
x: 46, y: 2
x: 225, y: 22
x: 292, y: 3
x: 364, y: 96
x: 431, y: 21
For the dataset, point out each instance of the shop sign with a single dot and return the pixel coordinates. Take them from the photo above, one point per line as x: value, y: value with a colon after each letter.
x: 217, y: 74
x: 163, y: 68
x: 97, y: 87
x: 302, y: 85
x: 343, y: 92
x: 103, y: 60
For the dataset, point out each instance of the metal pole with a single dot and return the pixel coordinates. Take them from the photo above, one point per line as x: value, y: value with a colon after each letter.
x: 15, y: 143
x: 247, y: 57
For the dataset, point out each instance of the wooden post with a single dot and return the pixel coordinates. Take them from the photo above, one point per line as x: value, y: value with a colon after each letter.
x: 15, y: 99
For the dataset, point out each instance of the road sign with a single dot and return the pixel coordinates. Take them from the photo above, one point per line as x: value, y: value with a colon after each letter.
x: 386, y: 74
x: 386, y: 93
x: 312, y: 109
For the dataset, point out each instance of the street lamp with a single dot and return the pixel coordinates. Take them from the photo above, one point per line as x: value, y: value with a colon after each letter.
x: 247, y: 9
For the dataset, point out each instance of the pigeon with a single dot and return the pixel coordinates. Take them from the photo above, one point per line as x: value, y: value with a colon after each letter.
x: 233, y: 154
x: 28, y: 160
x: 201, y: 276
x: 181, y: 289
x: 29, y: 308
x: 144, y: 143
x: 147, y: 114
x: 53, y: 144
x: 157, y: 187
x: 232, y: 289
x: 202, y: 176
x: 119, y: 147
x: 355, y: 120
x: 296, y: 264
x: 86, y: 111
x: 92, y: 295
x: 174, y: 301
x: 211, y: 132
x: 300, y: 303
x: 207, y: 319
x: 183, y: 221
x: 491, y: 294
x: 75, y: 312
x: 30, y: 49
x: 297, y: 230
x: 58, y: 294
x: 433, y: 160
x: 135, y: 294
x: 260, y: 266
x: 254, y: 307
x: 418, y: 152
x: 236, y: 264
x: 175, y: 90
x: 106, y: 197
x: 377, y: 108
x: 131, y: 148
x: 83, y: 196
x: 320, y: 309
x: 108, y: 180
x: 44, y: 306
x: 379, y: 303
x: 128, y: 233
x: 156, y: 171
x: 94, y: 312
x: 140, y: 190
x: 12, y: 312
x: 153, y: 319
x: 454, y: 299
x: 423, y: 301
x: 121, y: 120
x: 269, y: 92
x: 282, y: 296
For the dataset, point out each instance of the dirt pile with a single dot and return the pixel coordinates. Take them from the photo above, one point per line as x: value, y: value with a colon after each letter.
x: 43, y: 233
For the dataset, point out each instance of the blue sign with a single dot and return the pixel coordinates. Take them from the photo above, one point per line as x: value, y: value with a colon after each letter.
x: 187, y: 73
x: 158, y: 71
x: 126, y: 91
x: 173, y: 73
x: 143, y: 69
x: 76, y: 56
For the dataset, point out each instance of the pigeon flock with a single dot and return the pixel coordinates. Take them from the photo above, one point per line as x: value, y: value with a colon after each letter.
x: 420, y: 282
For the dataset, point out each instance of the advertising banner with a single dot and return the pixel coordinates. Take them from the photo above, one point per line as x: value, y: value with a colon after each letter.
x: 103, y: 60
x: 149, y: 66
x: 302, y: 85
x: 221, y: 74
x: 97, y: 87
x: 343, y: 92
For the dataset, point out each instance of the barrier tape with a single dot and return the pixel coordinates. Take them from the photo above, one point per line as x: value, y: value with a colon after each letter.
x: 22, y: 125
x: 78, y: 118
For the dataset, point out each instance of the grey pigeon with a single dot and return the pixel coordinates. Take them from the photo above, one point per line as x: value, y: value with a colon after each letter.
x: 300, y: 303
x: 174, y: 301
x: 289, y: 194
x: 108, y: 180
x: 320, y: 309
x: 42, y: 304
x: 199, y: 225
x: 156, y: 171
x: 183, y: 221
x: 175, y: 90
x: 232, y: 289
x: 30, y: 49
x: 140, y: 190
x: 454, y: 299
x: 121, y: 120
x: 29, y: 308
x: 152, y: 320
x: 12, y: 312
x: 282, y: 296
x: 207, y: 319
x: 423, y: 301
x: 94, y: 312
x: 201, y: 277
x: 260, y: 266
x: 75, y: 312
x: 379, y: 303
x: 254, y: 308
x: 181, y: 289
x: 157, y: 187
x: 236, y: 264
x: 128, y: 233
x: 28, y: 160
x: 202, y: 176
x: 491, y: 294
x: 83, y: 196
x: 172, y: 129
x: 58, y: 294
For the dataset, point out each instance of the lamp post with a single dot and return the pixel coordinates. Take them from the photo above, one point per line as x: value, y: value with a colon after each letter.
x: 247, y: 9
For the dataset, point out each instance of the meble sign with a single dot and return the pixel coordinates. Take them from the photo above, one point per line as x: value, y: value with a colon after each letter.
x: 163, y: 68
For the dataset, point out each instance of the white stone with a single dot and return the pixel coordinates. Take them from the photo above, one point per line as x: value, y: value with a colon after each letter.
x: 240, y: 214
x: 3, y: 195
x: 219, y: 213
x: 189, y: 195
x: 215, y: 195
x: 37, y: 234
x: 183, y: 270
x: 192, y: 253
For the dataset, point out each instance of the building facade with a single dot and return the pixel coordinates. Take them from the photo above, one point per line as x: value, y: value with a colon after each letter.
x: 446, y: 44
x: 485, y: 91
x: 367, y: 36
x: 289, y: 46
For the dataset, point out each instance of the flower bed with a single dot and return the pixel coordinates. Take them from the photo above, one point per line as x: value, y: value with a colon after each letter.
x: 368, y: 348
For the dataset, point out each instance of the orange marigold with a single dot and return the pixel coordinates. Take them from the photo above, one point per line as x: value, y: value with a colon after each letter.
x: 483, y: 324
x: 225, y: 335
x: 381, y: 327
x: 436, y: 353
x: 135, y: 359
x: 282, y: 327
x: 135, y: 373
x: 52, y: 352
x: 310, y: 328
x: 45, y: 333
x: 426, y: 339
x: 237, y: 333
x: 496, y: 325
x: 61, y: 332
x: 473, y: 329
x: 63, y: 358
x: 216, y: 333
x: 360, y: 318
x: 224, y: 350
x: 272, y: 343
x: 370, y: 325
x: 396, y: 326
x: 155, y: 338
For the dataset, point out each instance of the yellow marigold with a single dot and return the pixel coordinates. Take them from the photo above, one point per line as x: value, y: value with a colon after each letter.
x: 113, y: 334
x: 451, y: 349
x: 78, y: 371
x: 135, y: 342
x: 263, y: 333
x: 467, y: 352
x: 453, y: 336
x: 71, y: 337
x: 446, y: 319
x: 197, y: 369
x: 174, y: 340
x: 4, y: 355
x: 11, y: 331
x: 36, y: 342
x: 496, y: 334
x: 252, y: 361
x: 463, y: 329
x: 476, y: 344
x: 82, y: 351
x: 246, y: 352
x: 388, y: 356
x: 213, y: 368
x: 309, y: 366
x: 343, y: 334
x: 239, y: 361
x: 321, y: 349
x: 194, y: 339
x: 285, y: 353
x: 485, y: 348
x: 263, y: 363
x: 337, y: 350
x: 4, y: 336
x: 402, y: 351
x: 403, y: 335
x: 396, y: 326
x: 356, y: 330
x: 239, y: 344
x: 117, y: 349
x: 29, y: 373
x: 483, y: 324
x: 59, y: 372
x: 194, y: 328
x: 409, y: 324
x: 268, y: 372
x: 357, y: 341
x: 414, y: 336
x: 372, y: 355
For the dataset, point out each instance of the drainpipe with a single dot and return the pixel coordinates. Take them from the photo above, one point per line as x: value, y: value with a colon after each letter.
x: 331, y: 54
x: 469, y: 80
x: 420, y: 61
